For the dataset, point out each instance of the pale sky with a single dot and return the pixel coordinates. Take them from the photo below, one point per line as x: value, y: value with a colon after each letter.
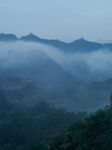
x: 66, y: 20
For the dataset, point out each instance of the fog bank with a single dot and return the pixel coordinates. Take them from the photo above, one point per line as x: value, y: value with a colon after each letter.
x: 94, y: 66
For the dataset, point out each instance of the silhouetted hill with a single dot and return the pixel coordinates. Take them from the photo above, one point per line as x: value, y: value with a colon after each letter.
x: 108, y: 45
x: 7, y: 37
x: 85, y: 46
x: 31, y: 37
x: 56, y: 43
x: 80, y: 45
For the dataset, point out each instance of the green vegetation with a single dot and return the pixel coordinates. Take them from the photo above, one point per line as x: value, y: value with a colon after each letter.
x: 22, y: 126
x: 94, y: 133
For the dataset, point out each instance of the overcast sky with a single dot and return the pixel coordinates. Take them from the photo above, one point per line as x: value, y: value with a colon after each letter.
x: 66, y: 20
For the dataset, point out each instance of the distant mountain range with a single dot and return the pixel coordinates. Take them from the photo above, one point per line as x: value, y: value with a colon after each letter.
x: 80, y: 45
x: 30, y: 76
x: 7, y: 37
x: 51, y: 83
x: 44, y: 72
x: 39, y: 67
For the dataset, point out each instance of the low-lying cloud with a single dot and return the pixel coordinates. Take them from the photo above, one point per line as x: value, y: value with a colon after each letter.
x: 94, y: 66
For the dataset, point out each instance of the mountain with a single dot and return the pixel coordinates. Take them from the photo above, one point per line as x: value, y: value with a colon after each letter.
x: 108, y: 45
x: 7, y: 37
x: 39, y: 67
x: 25, y: 126
x: 94, y: 132
x: 31, y: 37
x: 48, y: 81
x: 61, y: 86
x: 80, y: 45
x: 56, y: 43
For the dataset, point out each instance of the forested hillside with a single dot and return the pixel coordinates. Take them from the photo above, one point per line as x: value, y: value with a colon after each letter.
x: 94, y: 133
x: 22, y: 126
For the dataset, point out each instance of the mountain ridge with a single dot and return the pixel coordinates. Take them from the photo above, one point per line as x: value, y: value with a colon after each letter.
x: 60, y: 87
x: 80, y: 45
x: 8, y: 37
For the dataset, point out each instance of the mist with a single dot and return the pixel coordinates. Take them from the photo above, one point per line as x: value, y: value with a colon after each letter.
x: 88, y: 67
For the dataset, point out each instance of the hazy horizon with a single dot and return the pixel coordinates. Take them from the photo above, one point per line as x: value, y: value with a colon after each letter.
x: 64, y: 20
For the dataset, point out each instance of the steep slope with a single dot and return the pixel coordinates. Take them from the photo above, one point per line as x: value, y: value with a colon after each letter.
x: 108, y: 45
x: 39, y: 67
x: 94, y: 132
x: 26, y: 126
x: 47, y: 74
x: 61, y: 87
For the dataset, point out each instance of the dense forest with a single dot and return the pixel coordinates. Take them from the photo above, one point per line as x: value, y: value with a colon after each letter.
x: 93, y: 133
x: 22, y: 126
x: 44, y: 94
